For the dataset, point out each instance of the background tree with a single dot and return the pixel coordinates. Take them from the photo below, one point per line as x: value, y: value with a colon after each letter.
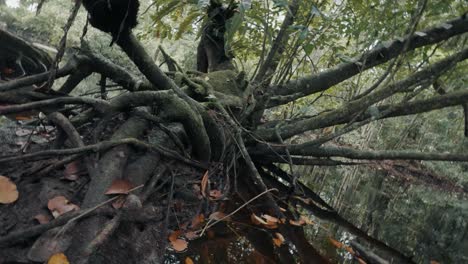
x: 221, y: 156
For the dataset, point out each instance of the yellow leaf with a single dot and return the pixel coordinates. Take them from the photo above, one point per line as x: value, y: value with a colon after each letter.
x: 8, y: 192
x: 188, y: 260
x: 179, y: 245
x: 278, y: 240
x: 58, y: 258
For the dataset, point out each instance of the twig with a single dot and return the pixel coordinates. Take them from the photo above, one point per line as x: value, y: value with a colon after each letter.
x: 208, y: 225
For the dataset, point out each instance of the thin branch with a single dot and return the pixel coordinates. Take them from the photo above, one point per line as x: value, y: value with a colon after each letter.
x: 268, y: 68
x: 99, y: 105
x: 41, y: 77
x: 102, y: 146
x: 427, y: 75
x: 307, y: 149
x: 62, y: 44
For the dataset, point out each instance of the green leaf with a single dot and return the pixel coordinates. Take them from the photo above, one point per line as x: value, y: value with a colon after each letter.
x: 232, y: 26
x: 171, y: 6
x: 185, y: 25
x: 308, y: 48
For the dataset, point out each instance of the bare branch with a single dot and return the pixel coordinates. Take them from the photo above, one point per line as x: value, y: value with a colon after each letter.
x: 101, y: 146
x: 268, y: 68
x: 428, y: 75
x: 99, y: 105
x: 350, y: 153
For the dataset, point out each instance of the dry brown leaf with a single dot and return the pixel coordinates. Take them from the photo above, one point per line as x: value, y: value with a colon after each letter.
x: 188, y: 260
x: 271, y: 226
x: 306, y: 220
x: 270, y: 219
x: 204, y: 184
x: 72, y: 170
x: 175, y: 235
x: 197, y: 220
x: 8, y: 191
x: 58, y: 258
x: 216, y: 194
x: 191, y: 235
x: 257, y: 220
x: 119, y: 186
x: 278, y: 240
x: 24, y: 116
x: 42, y: 218
x: 218, y: 216
x: 60, y: 205
x: 179, y: 245
x: 299, y: 222
x: 434, y: 262
x: 335, y: 243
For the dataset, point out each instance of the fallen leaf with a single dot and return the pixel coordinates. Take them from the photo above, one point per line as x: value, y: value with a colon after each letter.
x: 197, y: 220
x: 218, y: 216
x: 188, y: 260
x: 42, y: 218
x: 257, y: 220
x: 335, y: 243
x: 39, y: 139
x: 179, y: 245
x: 306, y: 220
x: 72, y: 170
x: 271, y: 226
x: 21, y: 132
x: 204, y: 183
x: 8, y: 191
x: 175, y: 235
x: 119, y: 186
x: 58, y: 258
x: 216, y: 194
x: 338, y: 244
x: 191, y: 235
x: 270, y: 219
x: 278, y: 240
x: 299, y: 222
x: 60, y: 205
